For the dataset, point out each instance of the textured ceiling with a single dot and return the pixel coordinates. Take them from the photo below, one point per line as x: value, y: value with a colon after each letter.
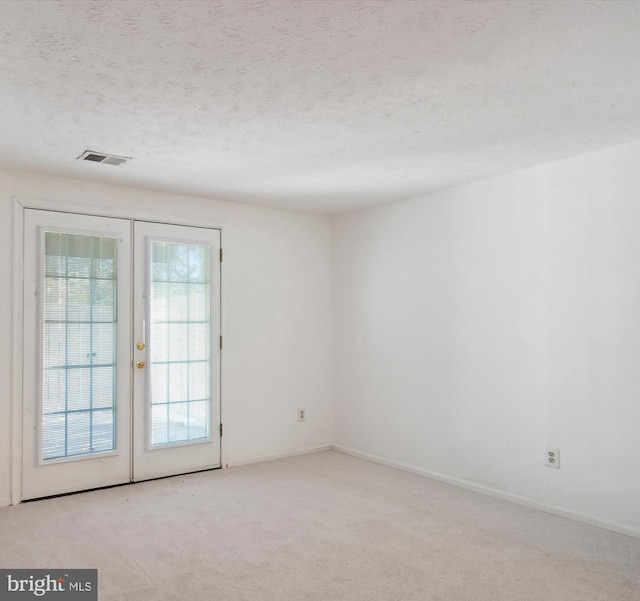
x: 311, y: 105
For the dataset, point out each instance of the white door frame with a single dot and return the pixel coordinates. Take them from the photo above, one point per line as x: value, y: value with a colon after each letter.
x: 19, y: 205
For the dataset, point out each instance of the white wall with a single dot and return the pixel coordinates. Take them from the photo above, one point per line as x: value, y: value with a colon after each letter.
x: 276, y: 320
x: 471, y: 328
x: 475, y: 326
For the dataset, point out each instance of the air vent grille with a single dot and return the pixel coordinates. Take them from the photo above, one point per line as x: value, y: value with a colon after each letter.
x: 99, y: 157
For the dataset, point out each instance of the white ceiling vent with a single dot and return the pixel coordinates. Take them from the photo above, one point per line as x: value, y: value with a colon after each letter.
x: 100, y: 157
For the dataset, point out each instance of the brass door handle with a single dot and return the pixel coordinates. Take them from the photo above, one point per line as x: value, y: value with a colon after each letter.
x: 141, y: 364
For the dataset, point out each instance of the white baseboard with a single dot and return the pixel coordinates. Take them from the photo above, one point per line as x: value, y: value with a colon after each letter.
x: 272, y: 456
x: 500, y: 494
x: 5, y: 501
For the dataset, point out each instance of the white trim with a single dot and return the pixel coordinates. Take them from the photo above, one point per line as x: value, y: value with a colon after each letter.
x: 134, y: 214
x: 280, y: 455
x: 499, y: 494
x: 16, y: 352
x: 220, y: 353
x: 5, y: 501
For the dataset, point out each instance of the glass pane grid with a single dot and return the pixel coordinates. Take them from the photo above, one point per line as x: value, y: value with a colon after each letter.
x: 79, y: 335
x: 179, y: 342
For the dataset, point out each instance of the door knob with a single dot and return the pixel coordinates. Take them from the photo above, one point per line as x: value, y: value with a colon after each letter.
x: 141, y: 364
x: 140, y: 346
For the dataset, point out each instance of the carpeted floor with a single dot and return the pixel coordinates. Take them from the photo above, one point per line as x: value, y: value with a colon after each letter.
x: 318, y: 527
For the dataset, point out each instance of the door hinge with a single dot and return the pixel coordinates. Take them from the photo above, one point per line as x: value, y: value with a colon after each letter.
x: 220, y: 342
x: 220, y: 255
x: 220, y: 430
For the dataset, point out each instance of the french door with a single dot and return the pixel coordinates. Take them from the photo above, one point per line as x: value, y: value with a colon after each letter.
x: 121, y: 360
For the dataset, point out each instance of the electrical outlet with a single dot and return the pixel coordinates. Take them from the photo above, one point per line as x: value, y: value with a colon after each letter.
x: 302, y: 414
x: 553, y: 458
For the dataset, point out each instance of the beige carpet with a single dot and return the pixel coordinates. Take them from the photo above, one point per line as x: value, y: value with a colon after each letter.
x: 322, y: 527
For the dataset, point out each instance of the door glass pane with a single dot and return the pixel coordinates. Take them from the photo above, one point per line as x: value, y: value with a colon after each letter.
x: 79, y: 342
x: 179, y: 342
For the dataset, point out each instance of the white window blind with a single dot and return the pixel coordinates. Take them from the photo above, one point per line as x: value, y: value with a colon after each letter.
x: 180, y: 339
x: 79, y: 343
